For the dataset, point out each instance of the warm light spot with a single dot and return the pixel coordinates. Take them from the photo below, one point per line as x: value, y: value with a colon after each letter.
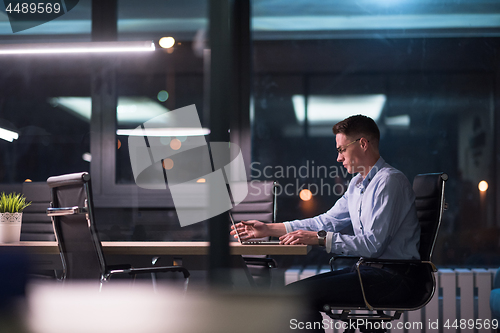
x: 175, y: 144
x: 167, y: 42
x: 119, y: 144
x: 28, y: 181
x: 483, y: 186
x: 168, y: 163
x: 201, y: 180
x: 305, y: 195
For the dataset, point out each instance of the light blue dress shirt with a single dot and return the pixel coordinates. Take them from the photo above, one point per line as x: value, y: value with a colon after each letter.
x: 381, y: 210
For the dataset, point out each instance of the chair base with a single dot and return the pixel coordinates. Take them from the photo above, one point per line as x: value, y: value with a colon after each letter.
x: 369, y: 322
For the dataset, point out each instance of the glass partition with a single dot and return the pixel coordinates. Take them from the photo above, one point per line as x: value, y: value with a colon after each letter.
x: 425, y: 70
x: 146, y: 87
x: 49, y: 137
x: 430, y: 90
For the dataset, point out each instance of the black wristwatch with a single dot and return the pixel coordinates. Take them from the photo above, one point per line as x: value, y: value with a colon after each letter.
x: 322, y: 238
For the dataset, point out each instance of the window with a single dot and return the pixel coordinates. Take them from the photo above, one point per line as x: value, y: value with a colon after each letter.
x: 429, y: 89
x: 52, y: 139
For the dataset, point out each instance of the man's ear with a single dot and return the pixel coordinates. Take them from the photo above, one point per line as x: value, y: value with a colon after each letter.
x: 363, y: 143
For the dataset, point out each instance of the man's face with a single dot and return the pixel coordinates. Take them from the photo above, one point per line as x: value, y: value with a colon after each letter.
x: 350, y: 152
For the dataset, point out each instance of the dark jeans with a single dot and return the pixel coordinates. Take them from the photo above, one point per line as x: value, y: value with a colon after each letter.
x: 342, y: 287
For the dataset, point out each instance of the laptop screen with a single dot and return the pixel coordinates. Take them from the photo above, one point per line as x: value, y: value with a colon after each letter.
x: 234, y: 225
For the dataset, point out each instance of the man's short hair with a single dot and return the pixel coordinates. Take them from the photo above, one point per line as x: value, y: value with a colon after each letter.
x: 358, y: 125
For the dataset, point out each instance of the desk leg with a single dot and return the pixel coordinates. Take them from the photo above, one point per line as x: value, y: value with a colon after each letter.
x: 240, y: 274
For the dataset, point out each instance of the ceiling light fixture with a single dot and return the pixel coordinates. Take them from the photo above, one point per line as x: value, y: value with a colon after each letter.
x: 130, y: 110
x: 174, y: 131
x: 7, y: 135
x: 90, y: 47
x: 329, y: 109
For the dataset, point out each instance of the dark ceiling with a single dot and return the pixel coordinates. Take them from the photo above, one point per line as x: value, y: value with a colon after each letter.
x: 281, y: 19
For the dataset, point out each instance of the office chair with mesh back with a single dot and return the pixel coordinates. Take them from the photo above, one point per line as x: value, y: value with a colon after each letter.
x: 430, y: 204
x: 79, y: 244
x: 260, y: 204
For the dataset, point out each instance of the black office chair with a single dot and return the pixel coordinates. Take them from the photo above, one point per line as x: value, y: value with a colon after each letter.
x: 430, y: 204
x: 37, y: 226
x: 79, y: 244
x: 260, y: 204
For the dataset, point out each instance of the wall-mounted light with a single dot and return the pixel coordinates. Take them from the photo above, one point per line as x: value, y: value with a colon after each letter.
x: 166, y: 42
x: 8, y: 135
x: 90, y: 47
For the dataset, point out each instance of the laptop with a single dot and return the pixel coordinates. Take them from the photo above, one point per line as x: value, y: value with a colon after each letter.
x: 252, y: 242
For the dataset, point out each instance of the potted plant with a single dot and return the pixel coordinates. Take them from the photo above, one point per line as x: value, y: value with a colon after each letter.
x: 11, y: 212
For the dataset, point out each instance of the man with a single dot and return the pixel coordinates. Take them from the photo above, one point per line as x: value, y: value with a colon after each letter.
x: 379, y: 204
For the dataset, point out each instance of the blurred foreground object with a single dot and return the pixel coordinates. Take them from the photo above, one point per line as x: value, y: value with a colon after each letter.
x: 13, y: 277
x: 80, y: 307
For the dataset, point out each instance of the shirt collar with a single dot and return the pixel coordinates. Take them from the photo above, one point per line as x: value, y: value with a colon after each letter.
x: 363, y: 183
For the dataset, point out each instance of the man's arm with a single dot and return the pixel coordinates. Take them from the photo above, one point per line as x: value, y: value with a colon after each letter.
x: 299, y: 231
x: 306, y: 231
x: 335, y: 219
x: 257, y: 229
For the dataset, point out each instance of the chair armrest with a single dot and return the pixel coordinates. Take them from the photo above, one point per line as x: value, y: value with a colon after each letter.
x: 269, y: 262
x: 388, y: 261
x: 332, y: 259
x: 134, y: 271
x: 364, y: 261
x: 66, y: 211
x: 118, y: 267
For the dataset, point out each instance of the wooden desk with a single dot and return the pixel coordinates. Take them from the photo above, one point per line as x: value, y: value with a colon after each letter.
x: 166, y: 248
x: 139, y: 254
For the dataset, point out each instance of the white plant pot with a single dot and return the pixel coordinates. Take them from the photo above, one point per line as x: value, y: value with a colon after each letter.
x: 10, y: 227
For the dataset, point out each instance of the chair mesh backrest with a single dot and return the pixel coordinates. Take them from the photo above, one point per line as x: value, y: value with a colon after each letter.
x: 37, y: 226
x: 429, y: 201
x: 78, y: 241
x: 259, y: 204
